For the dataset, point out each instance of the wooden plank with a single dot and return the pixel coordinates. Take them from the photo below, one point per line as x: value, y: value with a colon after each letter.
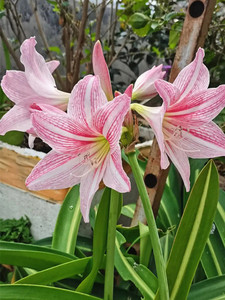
x: 15, y: 168
x: 194, y: 32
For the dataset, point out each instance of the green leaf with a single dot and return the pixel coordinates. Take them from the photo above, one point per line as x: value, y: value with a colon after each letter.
x: 210, y: 289
x: 174, y: 35
x: 138, y: 20
x: 31, y: 256
x: 55, y: 49
x: 127, y: 272
x: 128, y: 210
x: 166, y: 244
x: 28, y: 292
x: 213, y: 260
x: 169, y: 211
x: 68, y: 221
x: 193, y: 232
x: 56, y: 273
x: 7, y: 56
x: 13, y: 138
x: 99, y: 241
x: 2, y: 3
x: 220, y: 216
x: 145, y: 244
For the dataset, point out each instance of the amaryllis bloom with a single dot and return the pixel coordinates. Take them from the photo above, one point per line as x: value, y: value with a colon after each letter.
x: 35, y: 85
x: 143, y: 87
x: 85, y: 143
x: 183, y: 124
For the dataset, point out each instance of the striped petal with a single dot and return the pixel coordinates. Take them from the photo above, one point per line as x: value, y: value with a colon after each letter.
x: 114, y: 176
x: 101, y: 69
x: 204, y: 142
x: 198, y: 109
x: 54, y: 171
x: 194, y: 77
x: 17, y: 89
x: 37, y: 72
x: 86, y: 97
x: 52, y: 65
x: 88, y: 187
x: 109, y: 118
x: 180, y: 159
x: 154, y: 116
x: 168, y: 92
x: 144, y: 86
x: 61, y: 132
x: 17, y: 118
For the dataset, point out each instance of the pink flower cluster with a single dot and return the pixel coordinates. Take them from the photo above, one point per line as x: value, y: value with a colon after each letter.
x: 85, y: 139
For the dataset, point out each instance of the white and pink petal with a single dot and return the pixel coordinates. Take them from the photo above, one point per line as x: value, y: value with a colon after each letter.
x: 61, y: 132
x: 101, y: 69
x: 88, y: 187
x: 109, y: 118
x: 17, y: 118
x: 194, y: 77
x: 144, y: 87
x: 54, y: 171
x: 115, y: 177
x: 180, y: 159
x: 86, y: 97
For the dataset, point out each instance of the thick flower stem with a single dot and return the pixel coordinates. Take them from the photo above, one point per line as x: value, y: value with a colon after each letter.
x: 159, y: 261
x: 109, y: 270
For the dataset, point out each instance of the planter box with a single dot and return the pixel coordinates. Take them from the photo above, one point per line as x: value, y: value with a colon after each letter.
x: 16, y: 164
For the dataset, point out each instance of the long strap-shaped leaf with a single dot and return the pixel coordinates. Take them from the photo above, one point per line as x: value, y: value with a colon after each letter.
x: 213, y: 288
x: 68, y: 221
x: 99, y: 242
x: 31, y: 256
x: 193, y: 232
x: 34, y: 292
x: 137, y: 274
x: 56, y: 273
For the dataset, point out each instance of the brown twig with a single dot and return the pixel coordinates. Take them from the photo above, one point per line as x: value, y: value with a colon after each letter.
x: 80, y: 43
x: 45, y: 42
x: 99, y: 20
x: 11, y: 51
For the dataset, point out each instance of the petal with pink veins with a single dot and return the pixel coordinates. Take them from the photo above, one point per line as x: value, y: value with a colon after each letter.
x: 52, y: 65
x: 37, y: 72
x: 114, y: 176
x: 17, y: 118
x: 101, y: 69
x: 154, y: 116
x: 194, y: 77
x: 109, y: 118
x: 61, y: 132
x: 197, y: 109
x: 206, y: 141
x: 168, y: 92
x: 144, y: 86
x: 88, y: 187
x: 86, y: 97
x: 57, y: 171
x: 181, y: 162
x: 17, y: 89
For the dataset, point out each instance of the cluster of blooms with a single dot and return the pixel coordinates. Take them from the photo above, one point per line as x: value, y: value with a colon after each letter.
x: 85, y: 138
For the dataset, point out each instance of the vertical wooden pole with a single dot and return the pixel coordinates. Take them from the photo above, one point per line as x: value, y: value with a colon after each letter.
x: 194, y: 32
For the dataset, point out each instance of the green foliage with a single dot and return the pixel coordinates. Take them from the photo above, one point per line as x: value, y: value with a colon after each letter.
x: 68, y: 221
x: 193, y: 232
x: 16, y: 230
x: 138, y: 20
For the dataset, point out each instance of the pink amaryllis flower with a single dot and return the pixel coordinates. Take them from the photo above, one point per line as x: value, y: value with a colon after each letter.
x: 35, y: 85
x: 85, y: 144
x: 183, y: 124
x: 143, y: 87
